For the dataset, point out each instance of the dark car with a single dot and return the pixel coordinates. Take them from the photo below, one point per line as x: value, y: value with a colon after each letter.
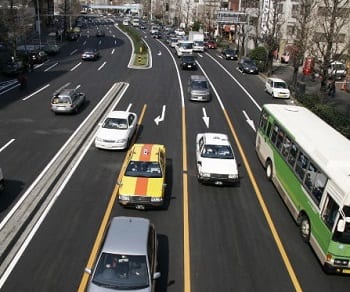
x: 188, y: 62
x: 37, y: 57
x: 13, y: 67
x: 90, y: 55
x: 157, y: 35
x: 247, y: 65
x: 51, y: 49
x: 230, y: 54
x: 100, y: 33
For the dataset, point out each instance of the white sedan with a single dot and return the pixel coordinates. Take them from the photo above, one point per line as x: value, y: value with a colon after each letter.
x: 216, y: 162
x: 116, y: 131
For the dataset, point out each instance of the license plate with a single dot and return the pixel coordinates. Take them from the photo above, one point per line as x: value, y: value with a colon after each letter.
x: 346, y: 271
x: 140, y: 207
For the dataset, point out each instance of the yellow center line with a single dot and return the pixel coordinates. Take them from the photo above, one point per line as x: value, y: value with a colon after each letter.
x: 265, y: 210
x: 104, y: 223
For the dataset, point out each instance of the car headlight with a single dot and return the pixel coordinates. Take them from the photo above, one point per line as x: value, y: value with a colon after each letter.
x: 233, y: 176
x: 205, y: 174
x: 97, y: 139
x: 124, y: 198
x: 121, y: 140
x: 156, y: 199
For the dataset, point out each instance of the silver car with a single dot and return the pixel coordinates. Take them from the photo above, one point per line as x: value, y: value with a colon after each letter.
x: 67, y: 101
x: 128, y: 257
x: 199, y: 88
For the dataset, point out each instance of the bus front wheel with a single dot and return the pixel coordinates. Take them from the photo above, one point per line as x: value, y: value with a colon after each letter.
x: 305, y: 228
x: 269, y: 170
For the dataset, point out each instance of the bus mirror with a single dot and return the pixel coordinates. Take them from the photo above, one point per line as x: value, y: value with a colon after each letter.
x: 341, y: 225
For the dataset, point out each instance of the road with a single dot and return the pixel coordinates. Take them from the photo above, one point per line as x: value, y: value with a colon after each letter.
x: 211, y: 238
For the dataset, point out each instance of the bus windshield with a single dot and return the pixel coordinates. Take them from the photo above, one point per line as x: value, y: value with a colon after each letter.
x: 344, y: 237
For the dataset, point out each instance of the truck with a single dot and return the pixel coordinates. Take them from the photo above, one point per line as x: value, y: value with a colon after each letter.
x: 184, y: 48
x: 197, y: 38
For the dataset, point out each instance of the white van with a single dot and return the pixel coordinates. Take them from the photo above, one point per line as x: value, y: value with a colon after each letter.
x: 337, y: 70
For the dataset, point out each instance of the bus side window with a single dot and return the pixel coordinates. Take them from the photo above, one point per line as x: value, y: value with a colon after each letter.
x: 315, y: 182
x: 279, y: 141
x: 263, y: 121
x: 292, y: 155
x: 302, y: 163
x: 274, y: 134
x: 330, y: 212
x: 286, y: 146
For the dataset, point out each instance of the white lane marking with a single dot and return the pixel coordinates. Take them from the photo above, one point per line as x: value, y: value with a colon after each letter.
x: 99, y: 68
x: 112, y: 51
x: 49, y: 68
x: 12, y: 87
x: 6, y: 145
x: 73, y: 52
x: 41, y: 89
x: 75, y: 67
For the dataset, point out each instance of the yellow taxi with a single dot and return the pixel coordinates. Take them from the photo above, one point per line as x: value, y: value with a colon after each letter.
x: 142, y: 182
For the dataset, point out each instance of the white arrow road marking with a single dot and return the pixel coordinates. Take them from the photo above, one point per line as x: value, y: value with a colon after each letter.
x: 249, y: 121
x: 41, y: 89
x: 160, y: 118
x: 159, y: 53
x: 205, y: 117
x: 73, y: 52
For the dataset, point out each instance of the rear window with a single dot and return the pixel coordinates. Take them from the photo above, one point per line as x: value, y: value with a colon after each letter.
x: 61, y: 99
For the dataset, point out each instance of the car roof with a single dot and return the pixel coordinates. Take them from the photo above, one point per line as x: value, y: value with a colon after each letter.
x: 215, y: 138
x: 198, y: 78
x: 127, y: 235
x: 274, y: 79
x: 118, y: 114
x: 66, y: 92
x: 146, y: 152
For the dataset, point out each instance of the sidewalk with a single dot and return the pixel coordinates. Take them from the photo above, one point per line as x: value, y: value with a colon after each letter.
x: 341, y: 101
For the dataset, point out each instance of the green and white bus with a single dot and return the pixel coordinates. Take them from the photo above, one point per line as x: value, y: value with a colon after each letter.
x: 309, y: 163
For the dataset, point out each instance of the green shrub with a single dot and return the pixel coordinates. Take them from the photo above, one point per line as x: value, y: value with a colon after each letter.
x: 259, y: 55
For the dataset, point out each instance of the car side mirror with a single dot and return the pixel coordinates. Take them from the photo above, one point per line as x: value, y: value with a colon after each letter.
x: 156, y: 275
x: 341, y: 225
x: 88, y: 270
x: 199, y: 163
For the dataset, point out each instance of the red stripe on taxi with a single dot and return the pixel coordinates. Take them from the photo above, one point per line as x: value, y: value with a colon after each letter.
x: 142, y: 182
x: 145, y: 153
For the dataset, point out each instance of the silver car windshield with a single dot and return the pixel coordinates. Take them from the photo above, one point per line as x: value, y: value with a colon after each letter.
x: 124, y: 272
x: 199, y: 85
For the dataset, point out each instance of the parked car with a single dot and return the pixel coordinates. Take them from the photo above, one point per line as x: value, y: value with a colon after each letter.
x: 116, y: 131
x: 100, y: 33
x: 247, y: 65
x: 67, y: 101
x: 37, y: 57
x: 13, y: 67
x: 142, y: 183
x: 337, y: 70
x: 216, y: 161
x: 199, y: 88
x: 90, y: 55
x: 211, y: 44
x: 179, y: 32
x: 127, y: 259
x: 277, y: 87
x: 2, y: 181
x: 230, y: 54
x: 51, y: 49
x: 188, y: 62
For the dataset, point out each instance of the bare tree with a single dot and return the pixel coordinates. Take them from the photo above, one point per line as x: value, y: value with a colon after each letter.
x: 272, y: 35
x: 17, y: 19
x: 332, y: 20
x: 304, y: 25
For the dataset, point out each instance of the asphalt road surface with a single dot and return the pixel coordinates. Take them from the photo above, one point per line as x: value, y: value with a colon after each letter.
x: 211, y: 238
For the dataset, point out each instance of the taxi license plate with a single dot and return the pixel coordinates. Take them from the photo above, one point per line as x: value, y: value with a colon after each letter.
x: 140, y: 207
x: 346, y: 271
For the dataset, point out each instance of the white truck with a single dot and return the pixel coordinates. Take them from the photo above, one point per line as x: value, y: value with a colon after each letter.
x: 197, y: 38
x: 184, y: 48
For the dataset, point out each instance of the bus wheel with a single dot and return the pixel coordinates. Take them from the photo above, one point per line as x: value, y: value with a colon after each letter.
x: 305, y: 228
x: 269, y: 170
